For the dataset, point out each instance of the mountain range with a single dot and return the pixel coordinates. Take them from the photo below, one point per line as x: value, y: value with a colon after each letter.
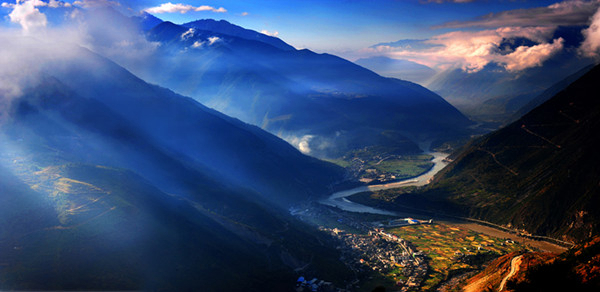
x: 536, y: 174
x: 109, y: 182
x: 328, y: 103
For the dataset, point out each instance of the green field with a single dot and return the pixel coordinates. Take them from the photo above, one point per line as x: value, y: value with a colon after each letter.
x: 407, y: 166
x: 376, y: 161
x: 452, y: 250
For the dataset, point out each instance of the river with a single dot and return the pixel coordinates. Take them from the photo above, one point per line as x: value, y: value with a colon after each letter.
x: 339, y: 200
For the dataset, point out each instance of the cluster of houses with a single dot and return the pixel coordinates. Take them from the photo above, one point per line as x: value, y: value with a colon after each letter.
x: 382, y: 252
x: 374, y: 250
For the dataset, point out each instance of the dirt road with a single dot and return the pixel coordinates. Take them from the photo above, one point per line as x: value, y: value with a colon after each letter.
x: 515, y: 263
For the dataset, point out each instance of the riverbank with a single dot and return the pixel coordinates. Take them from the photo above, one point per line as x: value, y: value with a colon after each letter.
x: 338, y: 199
x: 341, y: 200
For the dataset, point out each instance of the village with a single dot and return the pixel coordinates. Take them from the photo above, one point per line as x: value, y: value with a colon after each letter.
x: 367, y: 248
x: 373, y: 166
x: 384, y: 253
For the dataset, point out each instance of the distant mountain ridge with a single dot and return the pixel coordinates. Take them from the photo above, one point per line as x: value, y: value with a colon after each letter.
x: 396, y: 68
x: 320, y: 99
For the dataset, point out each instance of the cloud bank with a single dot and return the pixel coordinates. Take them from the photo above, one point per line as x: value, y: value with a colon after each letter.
x: 473, y: 50
x: 107, y: 33
x: 182, y: 8
x: 27, y: 15
x: 498, y: 38
x: 591, y: 44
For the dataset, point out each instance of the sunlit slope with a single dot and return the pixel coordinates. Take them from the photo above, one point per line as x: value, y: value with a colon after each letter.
x: 235, y: 152
x: 120, y: 233
x: 108, y: 182
x: 540, y: 173
x: 574, y: 270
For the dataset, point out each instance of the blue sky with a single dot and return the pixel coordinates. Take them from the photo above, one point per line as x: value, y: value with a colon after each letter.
x: 342, y: 25
x: 335, y: 25
x: 456, y: 33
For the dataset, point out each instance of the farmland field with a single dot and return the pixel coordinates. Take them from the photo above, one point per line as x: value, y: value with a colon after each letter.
x: 452, y: 250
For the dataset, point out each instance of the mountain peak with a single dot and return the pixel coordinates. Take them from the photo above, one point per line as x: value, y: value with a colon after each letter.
x: 227, y: 28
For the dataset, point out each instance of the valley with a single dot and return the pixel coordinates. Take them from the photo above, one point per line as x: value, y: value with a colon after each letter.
x: 339, y: 199
x: 421, y: 255
x: 287, y: 146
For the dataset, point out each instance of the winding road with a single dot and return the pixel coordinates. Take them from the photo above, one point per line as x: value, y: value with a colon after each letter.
x: 515, y: 263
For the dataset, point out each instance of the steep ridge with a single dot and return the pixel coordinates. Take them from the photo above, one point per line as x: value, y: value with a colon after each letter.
x: 232, y: 149
x: 551, y: 91
x: 523, y: 175
x: 113, y: 182
x: 298, y: 93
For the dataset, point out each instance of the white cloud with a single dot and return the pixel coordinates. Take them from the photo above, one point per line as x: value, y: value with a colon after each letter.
x: 209, y: 42
x: 303, y: 143
x: 273, y: 34
x: 28, y: 16
x: 96, y: 3
x: 473, y: 50
x: 39, y: 3
x: 213, y: 39
x: 591, y: 44
x: 57, y: 4
x: 198, y: 44
x: 182, y: 8
x: 526, y: 57
x: 188, y: 34
x: 21, y: 57
x: 244, y: 13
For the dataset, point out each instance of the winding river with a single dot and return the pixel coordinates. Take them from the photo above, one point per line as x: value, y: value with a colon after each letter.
x: 339, y: 200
